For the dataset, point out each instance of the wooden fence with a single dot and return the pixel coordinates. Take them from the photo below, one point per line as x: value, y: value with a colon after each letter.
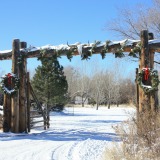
x: 16, y: 117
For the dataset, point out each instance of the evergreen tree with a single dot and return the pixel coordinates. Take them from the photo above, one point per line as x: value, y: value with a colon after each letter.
x: 49, y: 82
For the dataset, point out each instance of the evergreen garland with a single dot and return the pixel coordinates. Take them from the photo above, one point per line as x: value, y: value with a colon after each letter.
x: 119, y: 53
x: 86, y: 55
x: 136, y: 49
x: 103, y: 53
x: 70, y: 52
x: 21, y: 58
x: 105, y: 49
x: 95, y: 46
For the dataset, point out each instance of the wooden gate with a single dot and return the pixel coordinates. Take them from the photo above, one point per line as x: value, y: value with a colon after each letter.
x: 17, y: 113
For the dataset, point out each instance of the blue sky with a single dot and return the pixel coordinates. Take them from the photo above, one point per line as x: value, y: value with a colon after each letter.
x: 41, y: 22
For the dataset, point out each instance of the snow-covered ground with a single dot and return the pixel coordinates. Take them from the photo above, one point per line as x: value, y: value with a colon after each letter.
x: 75, y: 134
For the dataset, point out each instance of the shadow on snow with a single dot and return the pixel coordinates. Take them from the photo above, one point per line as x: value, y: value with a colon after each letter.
x: 69, y: 135
x: 62, y: 134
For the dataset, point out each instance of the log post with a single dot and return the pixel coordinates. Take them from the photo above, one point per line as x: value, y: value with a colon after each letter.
x: 28, y: 102
x: 147, y: 100
x: 15, y: 97
x: 153, y: 96
x: 22, y: 89
x: 6, y: 113
x: 144, y: 99
x: 137, y: 93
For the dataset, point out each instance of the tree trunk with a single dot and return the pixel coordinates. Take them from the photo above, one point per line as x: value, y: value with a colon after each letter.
x: 97, y: 106
x: 47, y: 116
x: 117, y: 104
x: 82, y: 102
x: 109, y: 105
x: 48, y: 107
x: 97, y: 102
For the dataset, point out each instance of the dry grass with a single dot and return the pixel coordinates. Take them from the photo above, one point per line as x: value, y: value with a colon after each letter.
x: 140, y: 139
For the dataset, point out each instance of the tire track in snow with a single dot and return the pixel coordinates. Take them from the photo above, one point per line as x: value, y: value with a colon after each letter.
x: 29, y: 150
x: 88, y: 150
x: 71, y: 153
x: 66, y: 151
x: 61, y: 152
x: 80, y: 150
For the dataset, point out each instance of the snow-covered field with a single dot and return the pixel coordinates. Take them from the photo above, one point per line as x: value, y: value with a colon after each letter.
x: 75, y: 134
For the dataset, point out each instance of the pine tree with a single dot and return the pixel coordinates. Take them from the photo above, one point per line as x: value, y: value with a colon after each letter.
x: 49, y: 82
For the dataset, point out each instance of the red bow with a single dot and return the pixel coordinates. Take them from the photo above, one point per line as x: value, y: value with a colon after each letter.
x: 146, y: 74
x: 9, y: 76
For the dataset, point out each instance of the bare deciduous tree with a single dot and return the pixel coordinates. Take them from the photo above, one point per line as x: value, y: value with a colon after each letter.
x: 131, y: 20
x: 97, y: 91
x: 84, y: 88
x: 110, y: 88
x: 72, y: 78
x: 127, y: 91
x: 103, y: 87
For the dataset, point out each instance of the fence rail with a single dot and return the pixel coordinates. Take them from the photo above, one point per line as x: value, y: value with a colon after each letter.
x: 37, y: 111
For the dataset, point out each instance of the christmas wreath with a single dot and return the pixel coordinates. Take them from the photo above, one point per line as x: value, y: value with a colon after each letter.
x: 143, y: 75
x: 10, y: 83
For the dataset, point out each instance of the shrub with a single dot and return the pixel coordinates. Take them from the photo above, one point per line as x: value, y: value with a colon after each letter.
x: 140, y: 138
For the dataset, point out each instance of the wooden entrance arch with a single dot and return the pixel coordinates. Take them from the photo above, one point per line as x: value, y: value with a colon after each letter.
x: 16, y: 107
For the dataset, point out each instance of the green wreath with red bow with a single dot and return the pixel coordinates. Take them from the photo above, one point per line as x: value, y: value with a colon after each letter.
x: 10, y: 83
x: 144, y: 75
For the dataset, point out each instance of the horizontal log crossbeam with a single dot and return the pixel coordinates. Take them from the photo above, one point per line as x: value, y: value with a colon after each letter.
x: 33, y: 52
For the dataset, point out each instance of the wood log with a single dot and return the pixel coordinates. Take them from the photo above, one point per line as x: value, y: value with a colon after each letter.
x: 32, y: 127
x: 151, y: 53
x: 22, y: 92
x: 32, y: 54
x: 153, y: 96
x: 15, y: 97
x: 144, y: 99
x: 137, y: 93
x: 28, y: 102
x: 36, y: 116
x: 6, y: 113
x: 34, y: 122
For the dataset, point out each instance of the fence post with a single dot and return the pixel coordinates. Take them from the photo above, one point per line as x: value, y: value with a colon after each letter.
x: 22, y: 89
x: 144, y: 99
x: 137, y: 93
x: 153, y: 96
x: 15, y: 97
x: 28, y: 102
x: 6, y: 113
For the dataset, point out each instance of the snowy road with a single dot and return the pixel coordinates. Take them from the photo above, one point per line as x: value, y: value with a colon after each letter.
x: 82, y: 136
